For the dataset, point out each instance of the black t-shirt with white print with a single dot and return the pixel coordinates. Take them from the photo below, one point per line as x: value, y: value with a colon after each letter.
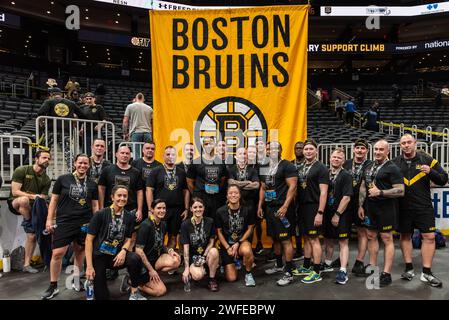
x: 207, y: 175
x: 233, y: 223
x: 113, y: 175
x: 145, y: 168
x: 104, y: 229
x: 96, y: 169
x: 197, y: 236
x: 75, y: 199
x: 310, y: 178
x: 168, y: 185
x: 150, y: 238
x: 276, y: 187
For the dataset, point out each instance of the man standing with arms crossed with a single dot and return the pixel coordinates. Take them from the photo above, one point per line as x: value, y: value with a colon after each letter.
x: 415, y: 208
x: 382, y: 183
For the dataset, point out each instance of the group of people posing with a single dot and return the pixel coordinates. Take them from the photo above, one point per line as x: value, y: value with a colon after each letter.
x: 210, y: 208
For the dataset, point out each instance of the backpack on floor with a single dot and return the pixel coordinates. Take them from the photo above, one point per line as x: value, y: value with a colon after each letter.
x: 18, y: 258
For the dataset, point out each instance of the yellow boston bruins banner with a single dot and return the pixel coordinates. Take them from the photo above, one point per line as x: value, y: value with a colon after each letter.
x: 236, y: 74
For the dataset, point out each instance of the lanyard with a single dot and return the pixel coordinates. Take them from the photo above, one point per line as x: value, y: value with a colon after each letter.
x: 242, y: 173
x: 375, y: 169
x: 273, y: 169
x: 199, y: 231
x: 233, y: 217
x: 96, y: 168
x: 354, y: 172
x: 170, y: 173
x: 305, y: 169
x: 83, y: 187
x: 333, y: 178
x: 116, y: 223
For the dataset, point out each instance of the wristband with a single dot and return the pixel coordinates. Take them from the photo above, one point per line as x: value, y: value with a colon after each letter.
x: 125, y: 249
x: 338, y: 213
x: 320, y: 212
x: 381, y: 193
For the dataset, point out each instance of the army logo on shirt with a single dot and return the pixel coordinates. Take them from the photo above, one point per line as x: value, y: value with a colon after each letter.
x: 122, y: 180
x: 211, y: 174
x: 236, y: 120
x: 76, y: 193
x: 61, y: 109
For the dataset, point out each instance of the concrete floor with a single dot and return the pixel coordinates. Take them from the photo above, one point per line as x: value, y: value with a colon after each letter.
x: 19, y: 286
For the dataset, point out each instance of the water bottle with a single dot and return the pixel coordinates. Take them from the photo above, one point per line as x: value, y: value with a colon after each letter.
x: 187, y: 286
x: 89, y: 287
x: 6, y: 261
x: 238, y: 264
x: 46, y: 233
x: 285, y: 222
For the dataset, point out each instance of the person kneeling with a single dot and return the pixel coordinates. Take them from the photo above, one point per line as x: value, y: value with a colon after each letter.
x: 197, y: 238
x: 151, y: 249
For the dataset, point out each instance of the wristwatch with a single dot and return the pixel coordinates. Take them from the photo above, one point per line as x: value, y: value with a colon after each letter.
x: 320, y: 212
x: 338, y: 213
x: 381, y: 193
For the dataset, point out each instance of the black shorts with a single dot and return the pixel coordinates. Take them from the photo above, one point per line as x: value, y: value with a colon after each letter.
x: 380, y: 216
x: 277, y: 229
x: 342, y: 231
x: 422, y: 219
x: 225, y: 257
x: 11, y: 208
x: 66, y: 233
x: 173, y: 219
x: 353, y: 211
x: 307, y: 213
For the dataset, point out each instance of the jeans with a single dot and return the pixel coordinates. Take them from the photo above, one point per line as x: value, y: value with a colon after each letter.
x: 139, y: 137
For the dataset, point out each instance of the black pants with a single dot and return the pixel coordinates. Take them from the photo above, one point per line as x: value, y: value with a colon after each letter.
x: 350, y: 118
x: 103, y: 262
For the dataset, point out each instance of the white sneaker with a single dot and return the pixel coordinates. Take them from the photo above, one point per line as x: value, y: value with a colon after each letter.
x: 286, y: 279
x: 274, y: 270
x: 137, y: 296
x: 249, y: 280
x: 431, y: 280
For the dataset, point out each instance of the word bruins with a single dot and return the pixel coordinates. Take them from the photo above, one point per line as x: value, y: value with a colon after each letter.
x: 224, y: 53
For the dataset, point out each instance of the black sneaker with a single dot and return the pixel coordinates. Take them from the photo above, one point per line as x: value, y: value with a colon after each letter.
x: 336, y: 263
x: 50, y: 293
x: 324, y: 267
x: 271, y: 257
x: 259, y: 249
x: 359, y: 270
x: 385, y: 279
x: 298, y: 256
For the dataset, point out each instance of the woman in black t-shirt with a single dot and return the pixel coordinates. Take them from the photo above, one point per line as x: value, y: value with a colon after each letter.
x: 235, y: 225
x: 154, y: 254
x: 108, y: 243
x: 197, y: 238
x: 74, y: 200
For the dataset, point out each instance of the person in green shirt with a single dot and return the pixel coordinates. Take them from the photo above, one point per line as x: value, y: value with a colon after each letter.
x: 28, y: 183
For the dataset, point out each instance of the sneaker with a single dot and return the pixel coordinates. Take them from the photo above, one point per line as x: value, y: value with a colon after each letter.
x: 431, y: 280
x: 172, y: 272
x: 124, y: 286
x: 359, y: 270
x: 137, y: 296
x: 298, y: 256
x: 324, y: 267
x: 286, y: 279
x: 249, y: 280
x: 336, y: 263
x: 50, y: 293
x: 213, y: 285
x: 385, y: 279
x: 311, y: 278
x: 29, y: 269
x: 342, y: 277
x: 271, y: 257
x: 274, y: 270
x: 301, y: 271
x: 408, y: 275
x: 259, y: 249
x: 78, y: 287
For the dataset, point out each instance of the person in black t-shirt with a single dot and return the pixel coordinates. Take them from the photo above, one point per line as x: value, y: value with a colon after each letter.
x: 154, y: 254
x: 337, y: 219
x: 198, y: 239
x: 97, y: 161
x: 235, y: 224
x: 206, y: 178
x: 122, y: 174
x: 382, y: 183
x: 356, y: 166
x: 57, y: 106
x: 74, y: 200
x: 91, y: 130
x: 278, y: 189
x: 313, y: 181
x: 188, y: 152
x: 415, y: 208
x: 298, y: 162
x: 167, y: 182
x: 223, y: 154
x: 108, y: 245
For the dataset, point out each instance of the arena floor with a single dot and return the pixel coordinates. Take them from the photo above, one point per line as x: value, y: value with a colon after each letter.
x: 19, y: 286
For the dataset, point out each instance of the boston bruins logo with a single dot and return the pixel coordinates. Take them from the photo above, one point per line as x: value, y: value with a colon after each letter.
x: 61, y: 109
x: 235, y: 120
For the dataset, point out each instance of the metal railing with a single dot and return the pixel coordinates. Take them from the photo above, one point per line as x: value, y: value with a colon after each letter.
x: 67, y: 137
x: 440, y: 151
x: 400, y: 129
x: 15, y: 151
x: 136, y: 148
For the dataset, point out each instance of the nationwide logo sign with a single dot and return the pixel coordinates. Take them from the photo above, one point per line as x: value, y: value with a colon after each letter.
x: 359, y: 11
x: 234, y: 74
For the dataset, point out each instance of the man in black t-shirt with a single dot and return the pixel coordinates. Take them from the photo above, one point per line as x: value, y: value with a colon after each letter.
x: 57, y: 106
x: 356, y: 166
x: 122, y: 174
x: 207, y: 177
x: 415, y: 208
x: 97, y: 160
x: 382, y: 184
x: 223, y: 154
x: 298, y: 162
x: 313, y: 181
x: 278, y: 189
x: 91, y: 130
x: 167, y: 182
x: 188, y: 152
x: 337, y: 220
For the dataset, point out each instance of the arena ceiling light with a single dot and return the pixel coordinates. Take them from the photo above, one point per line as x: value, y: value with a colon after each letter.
x: 13, y: 3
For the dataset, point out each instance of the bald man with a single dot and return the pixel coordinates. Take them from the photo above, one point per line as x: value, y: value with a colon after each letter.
x: 415, y: 208
x: 382, y: 183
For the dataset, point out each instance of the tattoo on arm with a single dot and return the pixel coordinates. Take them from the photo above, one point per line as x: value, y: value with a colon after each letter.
x: 395, y: 192
x: 362, y: 194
